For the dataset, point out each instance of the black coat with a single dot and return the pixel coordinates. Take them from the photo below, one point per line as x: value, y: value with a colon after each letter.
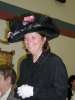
x: 48, y: 76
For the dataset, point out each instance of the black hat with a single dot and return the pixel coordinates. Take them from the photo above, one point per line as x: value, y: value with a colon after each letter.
x: 33, y: 24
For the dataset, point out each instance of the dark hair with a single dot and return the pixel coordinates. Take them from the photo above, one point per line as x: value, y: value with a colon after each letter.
x: 71, y: 79
x: 46, y: 46
x: 7, y: 71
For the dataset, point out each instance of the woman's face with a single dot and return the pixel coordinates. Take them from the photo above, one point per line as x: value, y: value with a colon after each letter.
x: 34, y: 42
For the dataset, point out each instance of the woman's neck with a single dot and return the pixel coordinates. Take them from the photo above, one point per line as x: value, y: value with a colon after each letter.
x: 36, y: 56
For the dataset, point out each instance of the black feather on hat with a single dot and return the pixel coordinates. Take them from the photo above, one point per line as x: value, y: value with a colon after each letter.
x: 33, y: 24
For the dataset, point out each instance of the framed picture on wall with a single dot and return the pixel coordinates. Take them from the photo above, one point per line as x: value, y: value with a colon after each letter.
x: 6, y: 57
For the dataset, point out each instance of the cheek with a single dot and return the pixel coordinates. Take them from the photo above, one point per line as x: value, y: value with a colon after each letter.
x: 2, y: 84
x: 37, y: 41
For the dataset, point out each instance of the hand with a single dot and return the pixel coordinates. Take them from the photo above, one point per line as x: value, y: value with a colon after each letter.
x: 25, y: 91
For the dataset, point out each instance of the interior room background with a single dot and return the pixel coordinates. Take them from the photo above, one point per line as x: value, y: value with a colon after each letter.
x: 63, y: 46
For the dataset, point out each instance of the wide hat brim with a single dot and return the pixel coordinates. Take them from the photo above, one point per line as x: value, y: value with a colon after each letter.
x: 44, y: 25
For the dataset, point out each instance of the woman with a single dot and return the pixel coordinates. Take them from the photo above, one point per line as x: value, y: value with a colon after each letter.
x: 43, y: 75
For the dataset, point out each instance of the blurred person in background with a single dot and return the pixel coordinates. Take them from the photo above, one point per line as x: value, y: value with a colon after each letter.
x: 71, y: 89
x: 7, y: 82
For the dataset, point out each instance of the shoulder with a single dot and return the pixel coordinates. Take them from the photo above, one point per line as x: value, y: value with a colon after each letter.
x: 55, y: 58
x: 52, y: 60
x: 24, y: 62
x: 25, y: 59
x: 56, y: 62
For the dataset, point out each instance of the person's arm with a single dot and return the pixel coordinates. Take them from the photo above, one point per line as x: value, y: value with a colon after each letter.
x: 21, y: 78
x: 22, y: 73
